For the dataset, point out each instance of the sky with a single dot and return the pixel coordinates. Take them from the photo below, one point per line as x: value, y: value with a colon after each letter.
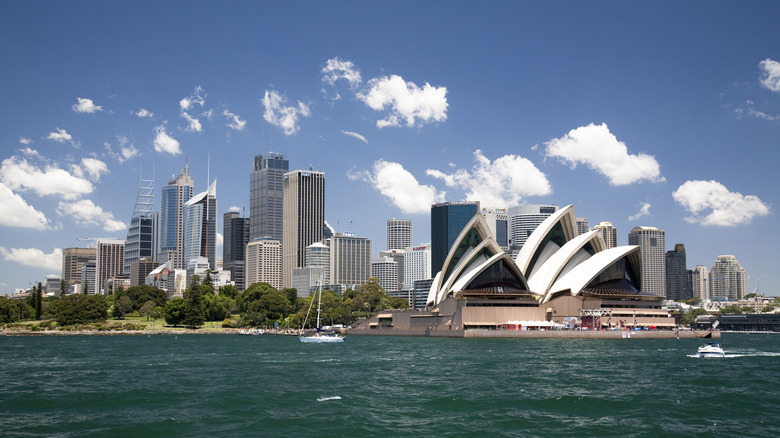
x: 662, y: 114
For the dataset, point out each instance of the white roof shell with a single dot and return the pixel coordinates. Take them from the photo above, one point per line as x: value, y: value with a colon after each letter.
x: 579, y: 277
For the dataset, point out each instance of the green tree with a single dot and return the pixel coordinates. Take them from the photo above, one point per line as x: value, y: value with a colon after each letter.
x: 9, y: 311
x: 62, y: 287
x: 80, y: 309
x: 148, y: 309
x: 207, y: 281
x: 691, y: 315
x: 229, y: 291
x: 731, y: 310
x: 140, y: 294
x: 194, y: 313
x: 25, y: 311
x: 275, y: 305
x: 85, y: 289
x: 174, y: 311
x: 38, y: 301
x: 122, y: 306
x: 292, y: 295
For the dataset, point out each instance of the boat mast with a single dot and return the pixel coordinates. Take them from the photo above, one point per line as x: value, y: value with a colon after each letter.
x: 319, y: 302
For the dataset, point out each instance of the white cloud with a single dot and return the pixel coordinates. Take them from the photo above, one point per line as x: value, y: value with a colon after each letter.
x: 194, y: 99
x: 400, y: 186
x: 644, y: 210
x: 356, y: 135
x: 234, y: 121
x: 86, y: 213
x: 86, y: 106
x: 18, y: 174
x: 725, y: 208
x: 127, y: 150
x: 34, y: 257
x: 770, y: 75
x: 747, y: 109
x: 407, y: 102
x: 336, y: 69
x: 15, y: 212
x: 92, y: 167
x: 599, y: 149
x: 193, y: 122
x: 144, y: 113
x: 234, y: 208
x: 24, y: 140
x: 60, y: 136
x: 502, y: 183
x: 220, y: 240
x: 164, y: 143
x: 278, y: 113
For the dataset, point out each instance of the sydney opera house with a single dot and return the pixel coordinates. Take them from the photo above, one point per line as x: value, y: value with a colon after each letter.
x: 559, y: 279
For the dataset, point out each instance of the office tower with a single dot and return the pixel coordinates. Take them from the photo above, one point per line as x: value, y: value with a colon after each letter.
x: 608, y: 233
x: 399, y: 233
x: 52, y: 285
x: 140, y: 269
x: 304, y: 217
x: 350, y: 260
x: 652, y: 243
x: 200, y: 226
x: 398, y: 256
x: 498, y: 222
x: 677, y: 287
x: 447, y: 221
x: 142, y: 230
x: 327, y: 231
x: 178, y: 191
x: 110, y: 262
x: 523, y: 220
x: 417, y: 265
x: 87, y: 285
x: 235, y: 234
x: 700, y: 276
x: 72, y: 261
x: 385, y: 269
x: 421, y: 289
x: 264, y: 262
x: 727, y: 279
x: 266, y: 198
x: 582, y: 225
x: 317, y: 255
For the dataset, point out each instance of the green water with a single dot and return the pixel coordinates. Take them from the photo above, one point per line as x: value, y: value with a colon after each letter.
x: 223, y: 386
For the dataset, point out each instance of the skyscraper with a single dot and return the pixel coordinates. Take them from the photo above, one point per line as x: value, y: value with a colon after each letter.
x: 417, y: 264
x: 72, y: 261
x: 385, y: 269
x: 652, y: 243
x: 200, y: 226
x: 264, y: 262
x: 727, y: 279
x: 608, y: 233
x: 399, y: 233
x: 178, y: 191
x: 582, y: 225
x: 498, y: 222
x: 677, y: 287
x: 447, y: 221
x: 523, y: 220
x: 303, y: 217
x: 266, y: 196
x: 110, y: 257
x: 700, y: 276
x: 350, y: 260
x: 141, y: 233
x: 235, y: 232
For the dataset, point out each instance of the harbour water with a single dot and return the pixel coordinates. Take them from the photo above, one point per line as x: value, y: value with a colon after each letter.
x: 164, y: 386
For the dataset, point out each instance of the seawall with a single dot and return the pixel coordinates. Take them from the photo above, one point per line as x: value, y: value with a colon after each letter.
x: 540, y: 334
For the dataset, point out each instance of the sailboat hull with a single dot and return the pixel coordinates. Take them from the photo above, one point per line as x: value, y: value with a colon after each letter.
x: 320, y: 339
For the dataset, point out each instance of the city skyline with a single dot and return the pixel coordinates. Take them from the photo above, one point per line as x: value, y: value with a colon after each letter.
x: 501, y: 103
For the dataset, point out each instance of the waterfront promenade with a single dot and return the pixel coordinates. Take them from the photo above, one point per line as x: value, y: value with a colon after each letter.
x: 539, y: 334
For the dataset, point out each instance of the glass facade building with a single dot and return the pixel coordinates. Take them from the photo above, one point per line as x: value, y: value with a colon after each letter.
x: 447, y: 221
x: 266, y: 198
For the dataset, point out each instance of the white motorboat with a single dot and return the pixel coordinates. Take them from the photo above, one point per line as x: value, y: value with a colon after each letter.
x: 712, y: 349
x: 321, y: 336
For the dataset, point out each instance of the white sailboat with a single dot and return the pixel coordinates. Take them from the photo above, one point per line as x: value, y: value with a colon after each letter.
x: 320, y: 336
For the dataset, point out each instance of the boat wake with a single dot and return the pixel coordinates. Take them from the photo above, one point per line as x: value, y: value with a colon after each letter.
x: 322, y: 399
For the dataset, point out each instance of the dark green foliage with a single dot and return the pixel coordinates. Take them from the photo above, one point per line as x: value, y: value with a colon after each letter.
x: 38, y: 301
x: 139, y: 295
x: 62, y: 287
x: 9, y: 311
x: 25, y: 311
x: 148, y: 309
x: 691, y: 315
x: 80, y: 309
x: 218, y: 307
x: 174, y: 311
x: 122, y: 306
x: 194, y: 313
x: 229, y: 291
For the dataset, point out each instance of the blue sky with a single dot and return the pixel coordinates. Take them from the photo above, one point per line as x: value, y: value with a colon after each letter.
x: 662, y: 114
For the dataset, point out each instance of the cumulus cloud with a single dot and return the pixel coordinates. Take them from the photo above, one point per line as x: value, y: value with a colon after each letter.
x: 126, y: 149
x: 193, y: 124
x: 16, y: 212
x: 234, y: 209
x: 234, y: 121
x: 770, y: 74
x: 24, y: 140
x: 356, y: 135
x: 599, y: 149
x: 33, y: 257
x: 60, y: 135
x: 644, y: 210
x: 195, y: 98
x: 278, y: 113
x: 407, y: 102
x: 91, y: 167
x: 503, y: 182
x: 164, y: 143
x: 19, y: 174
x: 144, y: 113
x: 336, y: 69
x: 400, y: 187
x: 86, y: 106
x: 86, y: 213
x: 719, y: 205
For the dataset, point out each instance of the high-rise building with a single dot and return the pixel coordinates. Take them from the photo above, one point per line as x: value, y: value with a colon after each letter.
x: 447, y: 221
x: 350, y: 260
x: 110, y: 262
x: 385, y: 269
x: 677, y: 284
x: 304, y: 217
x: 523, y: 220
x: 652, y: 243
x: 608, y: 233
x: 235, y: 233
x: 143, y: 228
x: 88, y: 284
x: 264, y: 262
x: 582, y: 225
x: 417, y: 265
x: 52, y: 285
x: 700, y: 276
x: 266, y: 200
x: 72, y: 261
x: 727, y: 279
x: 398, y: 256
x: 140, y: 269
x: 498, y: 222
x: 317, y: 255
x: 399, y: 233
x: 178, y: 191
x: 200, y: 226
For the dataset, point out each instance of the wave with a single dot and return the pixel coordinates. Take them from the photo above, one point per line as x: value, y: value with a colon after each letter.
x: 322, y: 399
